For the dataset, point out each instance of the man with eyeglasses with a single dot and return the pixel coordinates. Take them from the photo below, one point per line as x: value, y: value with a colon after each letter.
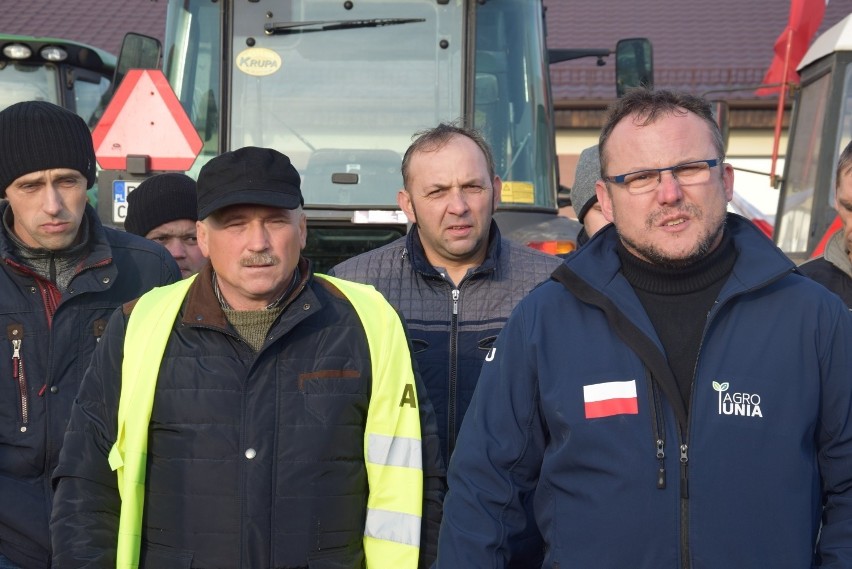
x: 676, y: 396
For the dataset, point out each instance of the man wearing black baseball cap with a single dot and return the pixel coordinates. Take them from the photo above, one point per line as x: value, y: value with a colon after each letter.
x: 62, y: 276
x: 285, y: 409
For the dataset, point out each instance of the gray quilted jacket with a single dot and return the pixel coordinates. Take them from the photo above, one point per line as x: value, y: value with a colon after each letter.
x: 452, y: 328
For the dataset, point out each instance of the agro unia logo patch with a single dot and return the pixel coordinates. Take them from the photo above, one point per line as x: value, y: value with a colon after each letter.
x: 745, y: 404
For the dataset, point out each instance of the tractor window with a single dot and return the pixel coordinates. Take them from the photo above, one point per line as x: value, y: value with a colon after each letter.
x: 511, y: 101
x: 798, y: 190
x: 342, y: 91
x: 90, y: 92
x: 192, y: 51
x: 845, y: 122
x: 23, y: 82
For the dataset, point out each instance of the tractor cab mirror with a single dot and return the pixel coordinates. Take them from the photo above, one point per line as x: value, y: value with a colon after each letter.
x: 137, y: 52
x: 634, y: 65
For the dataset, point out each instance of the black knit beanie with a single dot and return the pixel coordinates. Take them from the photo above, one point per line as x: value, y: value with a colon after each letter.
x: 35, y: 136
x: 158, y: 200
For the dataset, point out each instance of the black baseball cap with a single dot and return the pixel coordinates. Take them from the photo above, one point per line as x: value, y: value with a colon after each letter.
x: 250, y: 175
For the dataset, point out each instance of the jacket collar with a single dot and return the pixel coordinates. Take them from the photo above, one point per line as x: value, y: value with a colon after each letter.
x: 759, y: 262
x: 100, y: 252
x: 203, y: 308
x: 99, y: 249
x: 99, y: 256
x: 422, y: 265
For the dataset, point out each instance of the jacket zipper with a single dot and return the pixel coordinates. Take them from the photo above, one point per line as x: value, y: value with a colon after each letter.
x: 684, y: 447
x: 659, y: 446
x: 659, y: 433
x: 684, y: 452
x: 453, y: 385
x: 684, y: 506
x: 21, y: 381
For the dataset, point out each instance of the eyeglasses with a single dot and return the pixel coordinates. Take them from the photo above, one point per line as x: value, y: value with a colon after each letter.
x: 644, y: 181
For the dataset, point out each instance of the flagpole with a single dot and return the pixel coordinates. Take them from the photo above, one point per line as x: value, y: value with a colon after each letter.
x: 779, y: 114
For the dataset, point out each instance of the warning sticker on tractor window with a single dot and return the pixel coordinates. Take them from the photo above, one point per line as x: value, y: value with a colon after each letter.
x: 258, y: 61
x: 518, y: 192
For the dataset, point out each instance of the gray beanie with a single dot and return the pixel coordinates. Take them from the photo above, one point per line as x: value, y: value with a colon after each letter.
x: 588, y: 172
x: 36, y: 135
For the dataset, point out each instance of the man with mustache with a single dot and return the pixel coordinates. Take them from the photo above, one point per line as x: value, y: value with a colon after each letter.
x: 256, y: 414
x: 62, y: 276
x: 677, y: 396
x: 163, y: 209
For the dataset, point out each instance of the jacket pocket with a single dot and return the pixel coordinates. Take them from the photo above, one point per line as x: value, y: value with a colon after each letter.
x: 153, y: 556
x: 486, y: 343
x: 335, y: 396
x: 350, y: 556
x: 418, y: 345
x: 15, y: 335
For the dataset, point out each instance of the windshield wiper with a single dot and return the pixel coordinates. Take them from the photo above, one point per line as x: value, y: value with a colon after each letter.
x: 276, y: 28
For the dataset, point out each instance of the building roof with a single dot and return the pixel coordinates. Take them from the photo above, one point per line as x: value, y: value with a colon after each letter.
x: 698, y: 47
x: 100, y: 23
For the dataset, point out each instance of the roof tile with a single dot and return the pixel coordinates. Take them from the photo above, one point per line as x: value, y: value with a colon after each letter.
x: 101, y: 23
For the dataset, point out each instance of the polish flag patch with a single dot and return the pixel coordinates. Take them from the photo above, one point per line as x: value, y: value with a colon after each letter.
x: 610, y: 398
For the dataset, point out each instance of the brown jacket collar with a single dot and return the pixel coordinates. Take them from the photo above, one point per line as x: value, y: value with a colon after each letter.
x: 203, y: 308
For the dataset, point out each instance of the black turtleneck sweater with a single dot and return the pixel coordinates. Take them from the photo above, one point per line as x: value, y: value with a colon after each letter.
x: 677, y: 302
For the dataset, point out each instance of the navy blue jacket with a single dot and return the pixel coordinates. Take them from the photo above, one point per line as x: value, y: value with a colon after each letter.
x: 38, y: 382
x: 627, y: 479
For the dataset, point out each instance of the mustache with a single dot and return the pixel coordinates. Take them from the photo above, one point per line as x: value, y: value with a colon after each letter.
x: 258, y: 259
x: 688, y: 208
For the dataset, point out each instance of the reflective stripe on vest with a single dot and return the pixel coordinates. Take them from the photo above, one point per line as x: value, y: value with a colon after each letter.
x: 392, y: 444
x: 391, y: 437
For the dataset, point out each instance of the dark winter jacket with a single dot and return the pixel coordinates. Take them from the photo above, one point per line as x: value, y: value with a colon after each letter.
x: 49, y: 342
x: 834, y: 269
x: 452, y: 327
x: 579, y: 405
x: 255, y: 460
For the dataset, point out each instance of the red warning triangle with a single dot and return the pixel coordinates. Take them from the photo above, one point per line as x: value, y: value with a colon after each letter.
x: 145, y: 117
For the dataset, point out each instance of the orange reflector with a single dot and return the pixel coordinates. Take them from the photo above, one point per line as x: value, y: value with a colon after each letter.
x: 553, y: 247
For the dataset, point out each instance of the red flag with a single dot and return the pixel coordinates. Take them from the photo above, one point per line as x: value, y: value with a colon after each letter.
x: 804, y: 21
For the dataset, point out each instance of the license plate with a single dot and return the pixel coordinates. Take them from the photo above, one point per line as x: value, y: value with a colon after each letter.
x: 120, y: 190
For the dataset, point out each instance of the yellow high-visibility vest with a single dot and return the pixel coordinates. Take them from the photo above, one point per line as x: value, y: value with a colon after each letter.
x: 392, y: 442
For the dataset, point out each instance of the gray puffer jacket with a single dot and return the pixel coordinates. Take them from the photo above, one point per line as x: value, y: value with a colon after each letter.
x: 452, y: 327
